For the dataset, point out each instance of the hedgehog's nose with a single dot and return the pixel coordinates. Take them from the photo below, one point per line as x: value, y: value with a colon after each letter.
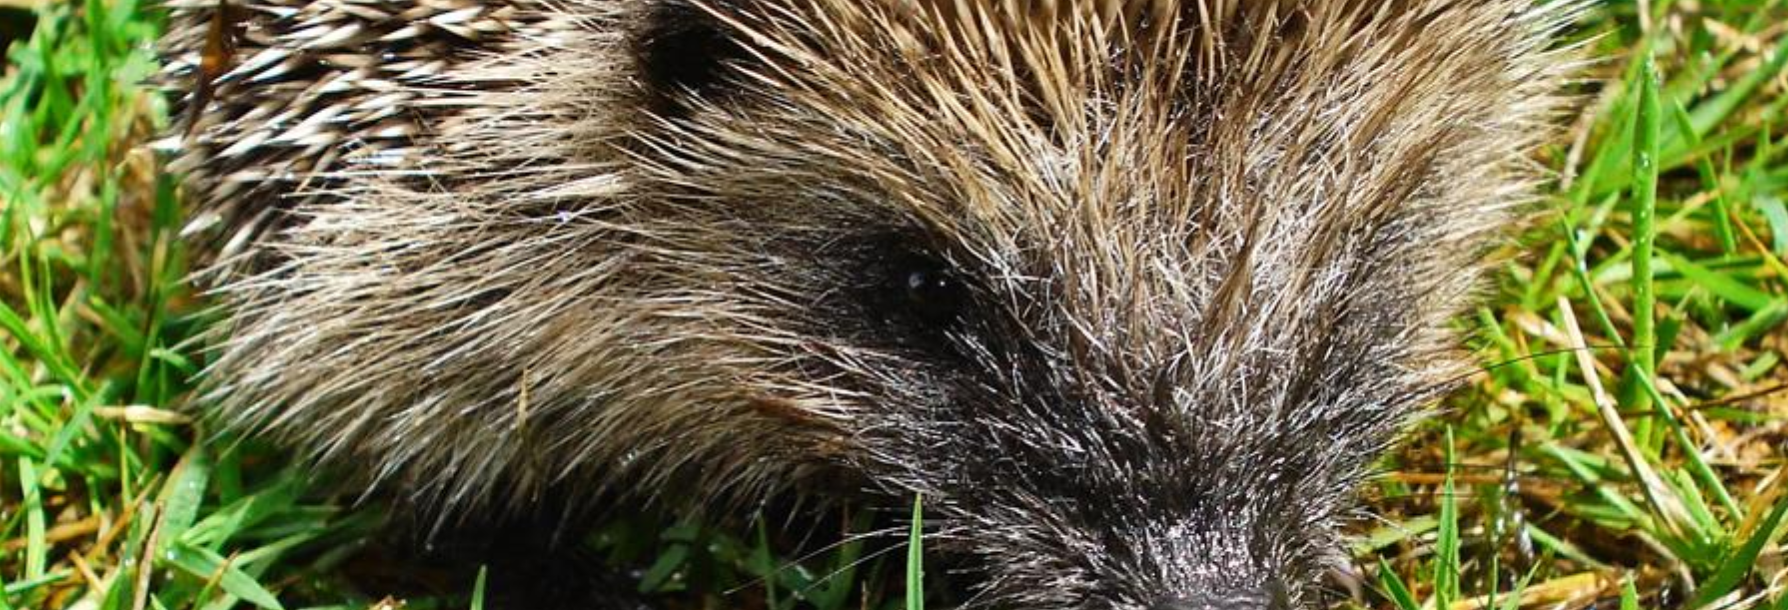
x: 1199, y: 604
x: 1230, y: 602
x: 1207, y: 604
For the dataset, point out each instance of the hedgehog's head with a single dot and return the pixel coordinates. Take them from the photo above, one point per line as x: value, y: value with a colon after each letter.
x: 1132, y: 293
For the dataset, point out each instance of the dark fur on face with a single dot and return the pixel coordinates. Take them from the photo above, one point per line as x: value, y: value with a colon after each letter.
x: 1131, y: 292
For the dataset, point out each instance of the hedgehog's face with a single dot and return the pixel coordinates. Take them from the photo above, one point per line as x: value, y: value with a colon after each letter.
x: 1100, y: 446
x: 1134, y: 333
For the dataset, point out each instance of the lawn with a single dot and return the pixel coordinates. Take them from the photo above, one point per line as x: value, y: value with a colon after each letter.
x: 1623, y: 445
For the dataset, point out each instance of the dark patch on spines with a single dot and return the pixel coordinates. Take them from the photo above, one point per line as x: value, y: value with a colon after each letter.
x: 682, y: 52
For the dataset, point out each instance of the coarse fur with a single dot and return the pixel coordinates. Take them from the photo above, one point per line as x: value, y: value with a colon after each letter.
x: 1132, y: 292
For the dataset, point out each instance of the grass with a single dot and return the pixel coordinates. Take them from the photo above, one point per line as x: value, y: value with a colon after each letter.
x: 1624, y: 445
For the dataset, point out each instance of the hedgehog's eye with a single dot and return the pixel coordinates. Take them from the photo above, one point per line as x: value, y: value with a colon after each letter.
x: 931, y: 293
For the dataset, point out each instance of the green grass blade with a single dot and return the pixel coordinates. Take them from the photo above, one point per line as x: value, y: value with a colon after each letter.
x: 1722, y: 285
x: 207, y: 566
x: 1394, y: 588
x: 36, y: 549
x: 183, y: 495
x: 915, y: 558
x: 1733, y: 570
x: 1446, y: 545
x: 1647, y: 123
x: 478, y: 588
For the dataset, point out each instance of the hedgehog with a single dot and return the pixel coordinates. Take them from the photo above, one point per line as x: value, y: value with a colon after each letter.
x: 1131, y: 293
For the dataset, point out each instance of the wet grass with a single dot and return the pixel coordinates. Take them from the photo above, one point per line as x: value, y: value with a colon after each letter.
x: 1624, y: 446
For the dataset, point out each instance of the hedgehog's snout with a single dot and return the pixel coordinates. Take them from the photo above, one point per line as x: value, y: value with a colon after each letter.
x: 1220, y: 603
x: 1270, y: 596
x: 1222, y: 568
